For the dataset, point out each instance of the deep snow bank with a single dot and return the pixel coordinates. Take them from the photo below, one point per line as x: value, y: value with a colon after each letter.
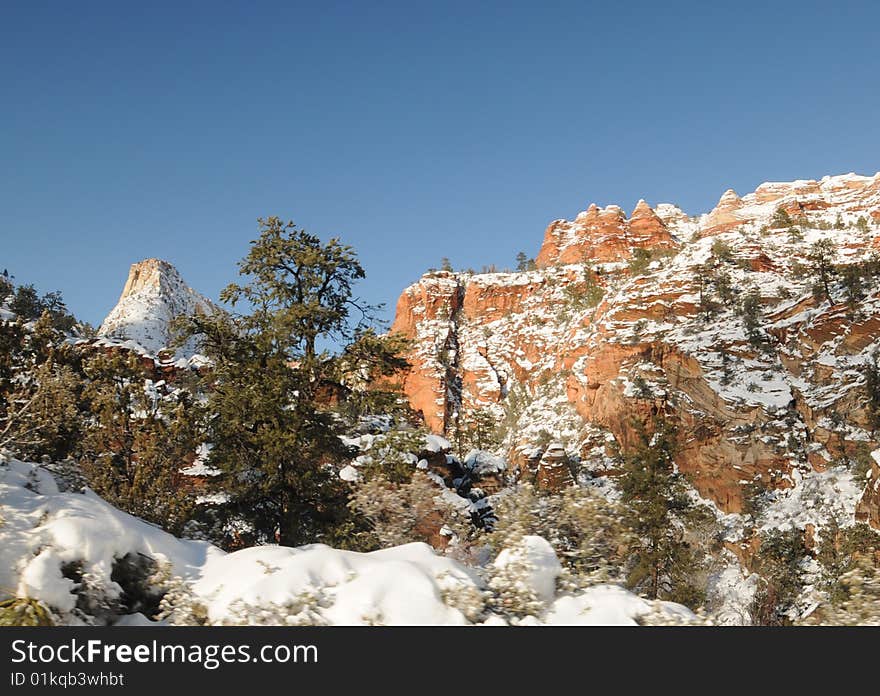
x: 45, y: 533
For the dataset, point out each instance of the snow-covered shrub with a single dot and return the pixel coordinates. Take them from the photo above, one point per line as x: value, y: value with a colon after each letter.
x: 585, y: 530
x: 302, y: 609
x: 399, y: 513
x: 180, y: 606
x: 24, y: 611
x: 859, y: 600
x: 522, y: 579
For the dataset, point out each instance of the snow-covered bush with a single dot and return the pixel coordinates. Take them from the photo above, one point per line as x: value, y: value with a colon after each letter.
x: 584, y: 529
x: 399, y: 513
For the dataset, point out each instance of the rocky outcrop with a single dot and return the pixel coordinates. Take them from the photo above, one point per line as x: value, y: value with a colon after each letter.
x: 581, y: 352
x: 600, y: 235
x: 154, y: 296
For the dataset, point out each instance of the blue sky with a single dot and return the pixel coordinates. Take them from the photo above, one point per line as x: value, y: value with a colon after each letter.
x: 411, y: 130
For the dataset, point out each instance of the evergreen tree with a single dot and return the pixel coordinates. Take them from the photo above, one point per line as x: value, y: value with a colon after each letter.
x: 476, y: 430
x: 752, y: 315
x: 821, y: 258
x: 273, y: 382
x: 524, y: 263
x: 851, y: 276
x: 657, y: 509
x: 138, y: 441
x: 871, y: 373
x: 779, y: 561
x: 40, y: 387
x: 781, y: 218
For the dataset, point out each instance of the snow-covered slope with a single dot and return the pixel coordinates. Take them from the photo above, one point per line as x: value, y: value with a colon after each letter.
x: 154, y: 295
x: 67, y: 550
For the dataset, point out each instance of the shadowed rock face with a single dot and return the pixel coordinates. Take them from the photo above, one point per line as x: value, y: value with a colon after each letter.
x: 534, y: 351
x: 153, y: 296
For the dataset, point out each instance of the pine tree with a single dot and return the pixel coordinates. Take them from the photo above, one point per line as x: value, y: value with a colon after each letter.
x: 40, y: 388
x: 752, y: 315
x: 524, y: 263
x: 657, y: 508
x: 273, y: 382
x: 851, y: 276
x: 821, y: 257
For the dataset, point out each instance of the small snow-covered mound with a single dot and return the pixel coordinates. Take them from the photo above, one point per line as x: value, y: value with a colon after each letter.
x: 49, y: 540
x: 403, y: 585
x: 611, y: 605
x: 538, y: 563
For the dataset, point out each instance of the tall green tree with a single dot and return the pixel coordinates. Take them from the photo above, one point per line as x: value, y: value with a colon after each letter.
x: 658, y: 510
x: 274, y: 382
x: 821, y: 258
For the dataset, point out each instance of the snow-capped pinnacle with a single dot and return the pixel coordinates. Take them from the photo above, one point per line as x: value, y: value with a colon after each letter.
x: 154, y: 295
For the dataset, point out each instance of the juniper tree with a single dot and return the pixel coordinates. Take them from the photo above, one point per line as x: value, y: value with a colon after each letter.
x: 821, y: 258
x: 781, y: 218
x: 871, y: 373
x: 274, y: 379
x: 40, y: 387
x: 751, y: 314
x: 138, y: 441
x: 851, y: 276
x: 779, y: 561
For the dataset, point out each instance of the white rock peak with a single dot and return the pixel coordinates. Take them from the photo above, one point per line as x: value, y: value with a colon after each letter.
x: 154, y: 295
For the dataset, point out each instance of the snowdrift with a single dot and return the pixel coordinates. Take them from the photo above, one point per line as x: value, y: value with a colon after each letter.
x: 66, y: 550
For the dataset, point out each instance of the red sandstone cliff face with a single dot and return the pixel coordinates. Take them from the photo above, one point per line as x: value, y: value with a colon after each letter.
x: 546, y: 362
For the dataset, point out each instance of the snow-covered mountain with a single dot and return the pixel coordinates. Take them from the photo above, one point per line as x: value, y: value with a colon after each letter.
x: 623, y: 317
x: 153, y: 296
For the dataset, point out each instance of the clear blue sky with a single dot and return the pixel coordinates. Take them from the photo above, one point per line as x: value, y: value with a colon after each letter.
x: 412, y: 130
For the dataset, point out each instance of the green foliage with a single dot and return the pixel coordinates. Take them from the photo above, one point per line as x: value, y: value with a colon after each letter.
x: 871, y: 372
x: 724, y: 288
x: 862, y: 225
x: 400, y: 512
x: 641, y: 259
x: 851, y: 276
x: 586, y: 531
x: 781, y: 219
x: 752, y: 316
x: 856, y: 600
x: 27, y: 305
x: 840, y: 550
x: 445, y: 265
x: 585, y: 296
x: 477, y: 429
x: 703, y: 279
x: 779, y: 561
x: 137, y: 441
x: 821, y: 257
x: 24, y: 611
x: 657, y: 509
x: 272, y: 426
x: 524, y: 263
x: 722, y: 251
x: 40, y: 388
